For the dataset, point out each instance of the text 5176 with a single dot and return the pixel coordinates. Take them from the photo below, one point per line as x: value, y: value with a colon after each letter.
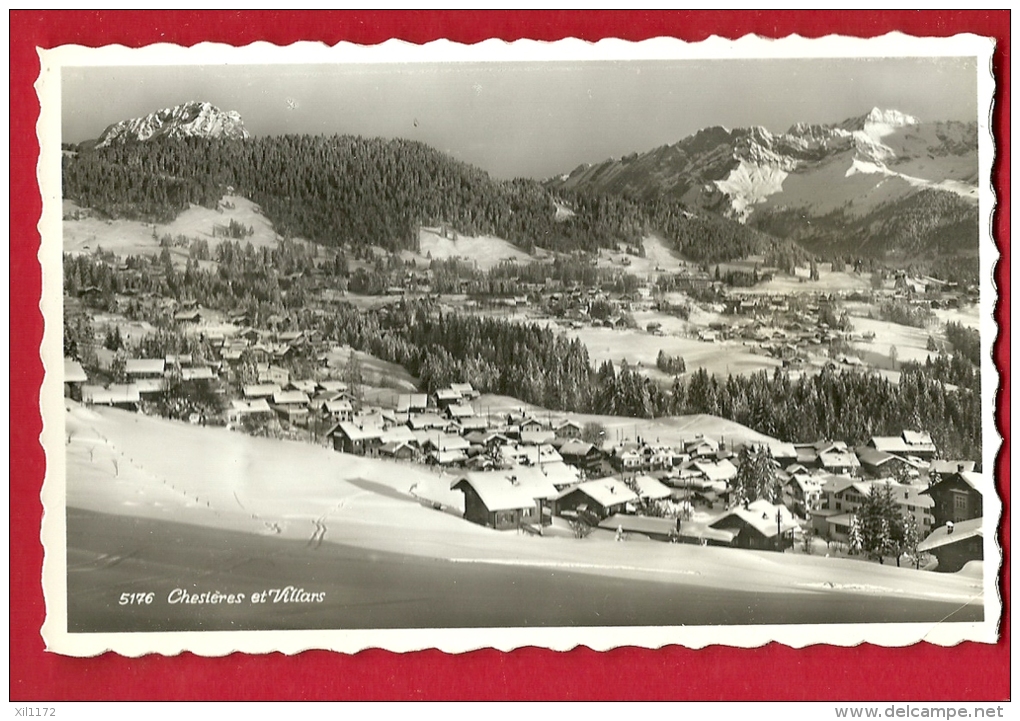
x: 136, y: 599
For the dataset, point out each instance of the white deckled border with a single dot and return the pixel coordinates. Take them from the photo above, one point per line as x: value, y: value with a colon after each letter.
x: 53, y: 531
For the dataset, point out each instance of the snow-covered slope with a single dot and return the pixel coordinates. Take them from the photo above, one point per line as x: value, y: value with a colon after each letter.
x: 194, y: 119
x: 853, y: 167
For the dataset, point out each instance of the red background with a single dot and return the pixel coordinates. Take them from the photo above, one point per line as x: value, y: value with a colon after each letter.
x: 922, y: 672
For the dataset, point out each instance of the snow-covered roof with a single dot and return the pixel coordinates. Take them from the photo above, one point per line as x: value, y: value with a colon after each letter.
x: 261, y: 390
x: 460, y: 410
x: 605, y: 491
x: 576, y: 448
x: 640, y: 524
x: 355, y: 432
x: 496, y: 490
x: 943, y: 466
x: 722, y: 470
x: 117, y: 393
x: 407, y: 401
x: 760, y: 515
x: 200, y: 373
x: 258, y: 405
x: 781, y: 449
x: 401, y: 434
x: 144, y: 366
x: 941, y: 536
x: 290, y: 398
x: 73, y: 372
x: 978, y: 481
x: 838, y: 459
x: 338, y: 405
x: 650, y: 488
x: 534, y: 438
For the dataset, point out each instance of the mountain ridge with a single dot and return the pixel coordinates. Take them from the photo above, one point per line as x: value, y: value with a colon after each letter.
x: 190, y: 119
x: 860, y: 166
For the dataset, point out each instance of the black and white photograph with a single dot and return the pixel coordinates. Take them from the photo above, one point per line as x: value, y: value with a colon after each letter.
x: 518, y: 344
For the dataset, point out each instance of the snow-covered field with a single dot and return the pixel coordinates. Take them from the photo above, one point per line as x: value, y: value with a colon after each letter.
x: 670, y: 430
x: 130, y: 466
x: 911, y: 343
x: 639, y: 346
x: 485, y: 251
x: 132, y: 237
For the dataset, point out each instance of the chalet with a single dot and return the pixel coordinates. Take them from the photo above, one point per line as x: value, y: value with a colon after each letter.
x: 398, y: 450
x: 188, y: 317
x: 260, y: 390
x: 601, y: 497
x: 291, y: 337
x: 657, y: 529
x: 466, y: 391
x: 445, y: 450
x: 759, y: 525
x: 353, y: 439
x: 272, y: 374
x: 879, y: 464
x: 536, y: 438
x: 785, y: 454
x: 117, y: 395
x: 839, y: 462
x: 427, y: 421
x: 627, y: 460
x: 457, y: 411
x: 581, y: 455
x: 958, y: 496
x: 197, y: 373
x: 136, y: 368
x: 701, y: 446
x: 530, y: 455
x: 339, y: 409
x: 802, y: 494
x: 530, y: 424
x: 306, y: 386
x: 955, y: 544
x: 240, y: 409
x: 940, y: 467
x: 716, y: 471
x: 472, y: 424
x: 74, y: 378
x: 399, y: 434
x: 498, y: 499
x: 181, y: 360
x: 486, y: 439
x: 290, y: 398
x: 842, y: 498
x: 568, y: 429
x: 412, y: 403
x: 378, y: 417
x: 333, y: 386
x: 291, y: 406
x: 649, y: 489
x: 149, y: 388
x: 446, y: 397
x: 908, y: 443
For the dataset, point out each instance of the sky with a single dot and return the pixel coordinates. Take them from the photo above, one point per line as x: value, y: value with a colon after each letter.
x: 528, y: 119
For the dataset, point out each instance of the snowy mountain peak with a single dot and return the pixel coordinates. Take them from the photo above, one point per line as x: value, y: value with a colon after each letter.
x: 891, y: 117
x: 882, y: 121
x: 192, y: 119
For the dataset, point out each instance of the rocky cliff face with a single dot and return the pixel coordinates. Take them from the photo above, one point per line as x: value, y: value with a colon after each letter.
x: 194, y: 119
x: 863, y: 161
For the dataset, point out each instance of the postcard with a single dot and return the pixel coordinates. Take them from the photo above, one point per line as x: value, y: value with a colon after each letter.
x: 518, y: 344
